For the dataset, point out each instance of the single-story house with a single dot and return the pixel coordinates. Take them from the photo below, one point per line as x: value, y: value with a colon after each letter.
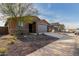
x: 56, y: 27
x: 36, y: 26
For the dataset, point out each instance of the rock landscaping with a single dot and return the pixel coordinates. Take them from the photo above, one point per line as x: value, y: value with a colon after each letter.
x: 27, y: 44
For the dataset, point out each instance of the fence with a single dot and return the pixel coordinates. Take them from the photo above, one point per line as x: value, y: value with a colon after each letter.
x: 3, y: 30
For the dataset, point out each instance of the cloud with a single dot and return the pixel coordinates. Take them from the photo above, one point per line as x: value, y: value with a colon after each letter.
x: 52, y: 16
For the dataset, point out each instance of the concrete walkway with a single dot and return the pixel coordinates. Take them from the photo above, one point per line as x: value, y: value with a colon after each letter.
x: 63, y: 47
x: 77, y: 46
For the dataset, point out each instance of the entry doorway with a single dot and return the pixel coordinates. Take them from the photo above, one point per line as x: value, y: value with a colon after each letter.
x: 32, y: 27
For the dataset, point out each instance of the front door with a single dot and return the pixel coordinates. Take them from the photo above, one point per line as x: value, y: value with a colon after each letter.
x: 32, y: 27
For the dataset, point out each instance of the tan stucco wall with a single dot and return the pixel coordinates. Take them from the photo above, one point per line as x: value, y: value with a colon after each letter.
x: 13, y: 24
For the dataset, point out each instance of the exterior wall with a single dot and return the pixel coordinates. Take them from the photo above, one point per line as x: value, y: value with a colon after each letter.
x: 37, y: 27
x: 26, y: 28
x: 12, y: 26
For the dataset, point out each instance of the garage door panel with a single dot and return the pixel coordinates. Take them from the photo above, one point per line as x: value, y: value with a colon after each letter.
x: 42, y: 28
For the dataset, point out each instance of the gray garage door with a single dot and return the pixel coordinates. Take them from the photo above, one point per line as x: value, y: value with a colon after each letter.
x: 42, y: 28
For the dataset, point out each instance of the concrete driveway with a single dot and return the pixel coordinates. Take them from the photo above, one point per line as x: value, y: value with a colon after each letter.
x: 65, y: 46
x: 58, y: 35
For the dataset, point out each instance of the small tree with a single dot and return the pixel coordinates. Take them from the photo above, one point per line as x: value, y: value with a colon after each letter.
x: 14, y: 10
x: 17, y: 10
x: 61, y: 27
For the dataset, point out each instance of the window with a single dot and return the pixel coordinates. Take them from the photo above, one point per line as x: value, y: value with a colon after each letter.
x: 20, y: 24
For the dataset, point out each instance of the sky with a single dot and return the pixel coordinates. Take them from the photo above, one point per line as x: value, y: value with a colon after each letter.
x: 63, y: 13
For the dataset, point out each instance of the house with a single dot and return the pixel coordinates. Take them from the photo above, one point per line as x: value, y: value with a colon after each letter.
x: 70, y: 28
x: 35, y: 26
x: 56, y: 27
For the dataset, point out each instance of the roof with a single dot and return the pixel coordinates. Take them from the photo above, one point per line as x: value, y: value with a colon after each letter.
x: 43, y: 21
x: 26, y: 17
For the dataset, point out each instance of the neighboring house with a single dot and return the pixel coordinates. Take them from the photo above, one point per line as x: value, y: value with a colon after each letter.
x: 50, y: 28
x: 36, y: 26
x: 70, y: 28
x: 56, y: 27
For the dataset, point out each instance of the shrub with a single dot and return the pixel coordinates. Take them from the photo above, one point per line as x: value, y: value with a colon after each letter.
x: 14, y: 38
x: 3, y: 51
x: 19, y: 32
x: 11, y: 41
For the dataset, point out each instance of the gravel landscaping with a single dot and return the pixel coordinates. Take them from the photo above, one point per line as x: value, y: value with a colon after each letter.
x: 28, y: 44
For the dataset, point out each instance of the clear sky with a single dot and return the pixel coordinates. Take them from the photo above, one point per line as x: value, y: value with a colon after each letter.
x: 67, y: 14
